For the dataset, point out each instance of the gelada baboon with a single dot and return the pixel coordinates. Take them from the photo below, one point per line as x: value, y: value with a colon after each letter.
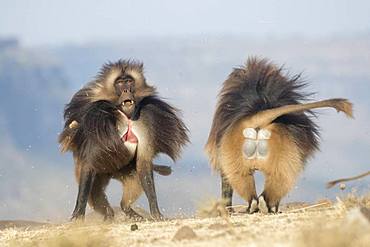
x: 261, y: 123
x: 115, y: 126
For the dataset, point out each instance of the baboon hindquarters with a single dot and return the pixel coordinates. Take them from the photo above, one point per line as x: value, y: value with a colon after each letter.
x: 270, y: 150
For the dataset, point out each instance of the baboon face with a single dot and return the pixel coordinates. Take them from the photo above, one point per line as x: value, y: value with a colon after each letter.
x: 124, y: 87
x: 123, y: 83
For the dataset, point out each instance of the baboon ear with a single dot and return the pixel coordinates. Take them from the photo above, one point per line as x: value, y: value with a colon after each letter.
x: 141, y: 66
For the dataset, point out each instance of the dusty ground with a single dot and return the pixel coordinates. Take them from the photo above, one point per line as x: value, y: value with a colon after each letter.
x: 340, y: 223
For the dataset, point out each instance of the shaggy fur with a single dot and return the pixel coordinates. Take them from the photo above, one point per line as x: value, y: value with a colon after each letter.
x: 260, y: 96
x: 90, y: 133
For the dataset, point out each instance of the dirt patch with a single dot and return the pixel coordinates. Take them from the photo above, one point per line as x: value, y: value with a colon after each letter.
x: 322, y: 224
x: 20, y: 224
x: 184, y: 232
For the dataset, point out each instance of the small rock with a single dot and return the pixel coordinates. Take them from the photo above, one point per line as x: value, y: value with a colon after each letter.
x: 342, y: 186
x: 134, y: 227
x: 184, y: 232
x: 217, y: 226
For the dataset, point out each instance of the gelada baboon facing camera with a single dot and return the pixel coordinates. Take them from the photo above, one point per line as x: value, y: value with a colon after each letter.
x: 115, y: 126
x: 261, y: 123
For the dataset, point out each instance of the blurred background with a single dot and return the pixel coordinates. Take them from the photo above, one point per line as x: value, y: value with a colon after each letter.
x: 50, y: 49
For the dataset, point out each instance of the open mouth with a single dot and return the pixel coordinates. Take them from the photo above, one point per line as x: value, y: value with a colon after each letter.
x: 127, y: 107
x: 128, y: 102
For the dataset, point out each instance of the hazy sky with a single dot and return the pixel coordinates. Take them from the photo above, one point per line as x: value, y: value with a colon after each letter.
x: 56, y: 22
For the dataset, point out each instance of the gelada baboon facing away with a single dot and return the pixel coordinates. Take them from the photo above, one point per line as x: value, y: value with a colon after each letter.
x: 115, y: 126
x: 261, y: 123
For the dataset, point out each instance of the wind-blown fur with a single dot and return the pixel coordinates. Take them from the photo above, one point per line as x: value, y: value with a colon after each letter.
x: 169, y: 134
x: 255, y: 97
x: 258, y: 86
x: 90, y: 133
x: 96, y: 142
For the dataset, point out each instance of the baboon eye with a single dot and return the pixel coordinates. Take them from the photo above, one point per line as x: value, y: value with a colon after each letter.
x: 119, y: 86
x: 124, y: 80
x: 120, y: 81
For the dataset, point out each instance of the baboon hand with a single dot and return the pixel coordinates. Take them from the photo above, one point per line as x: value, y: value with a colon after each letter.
x: 73, y: 124
x: 77, y: 217
x: 157, y: 217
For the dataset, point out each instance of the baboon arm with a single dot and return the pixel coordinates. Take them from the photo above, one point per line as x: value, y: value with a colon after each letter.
x: 227, y: 191
x: 341, y: 105
x: 334, y: 182
x: 145, y: 172
x: 87, y: 177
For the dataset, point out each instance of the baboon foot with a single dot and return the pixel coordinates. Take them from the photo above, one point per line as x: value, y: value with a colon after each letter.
x: 109, y: 214
x: 253, y: 206
x: 229, y: 210
x: 132, y: 215
x: 78, y: 214
x: 77, y: 218
x: 270, y: 207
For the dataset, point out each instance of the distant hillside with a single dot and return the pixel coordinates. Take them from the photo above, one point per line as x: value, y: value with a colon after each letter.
x: 33, y: 92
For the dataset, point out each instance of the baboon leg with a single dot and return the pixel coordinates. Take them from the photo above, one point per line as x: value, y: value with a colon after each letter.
x: 86, y: 178
x: 277, y: 185
x: 244, y: 185
x: 131, y: 191
x: 145, y: 174
x: 98, y: 199
x: 227, y: 192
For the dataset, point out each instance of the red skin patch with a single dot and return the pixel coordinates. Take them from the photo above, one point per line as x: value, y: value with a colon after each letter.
x: 129, y: 136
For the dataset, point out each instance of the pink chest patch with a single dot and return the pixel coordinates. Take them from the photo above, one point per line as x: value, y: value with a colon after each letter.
x: 129, y: 136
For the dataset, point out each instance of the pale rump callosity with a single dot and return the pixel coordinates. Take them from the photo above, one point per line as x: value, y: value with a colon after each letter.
x: 262, y: 122
x: 115, y: 126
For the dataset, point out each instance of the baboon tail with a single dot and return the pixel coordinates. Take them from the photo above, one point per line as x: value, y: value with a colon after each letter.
x: 334, y: 182
x: 162, y: 170
x: 341, y: 105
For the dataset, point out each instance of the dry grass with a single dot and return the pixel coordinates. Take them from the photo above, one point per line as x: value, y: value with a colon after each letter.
x: 354, y: 200
x: 323, y: 224
x: 353, y: 230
